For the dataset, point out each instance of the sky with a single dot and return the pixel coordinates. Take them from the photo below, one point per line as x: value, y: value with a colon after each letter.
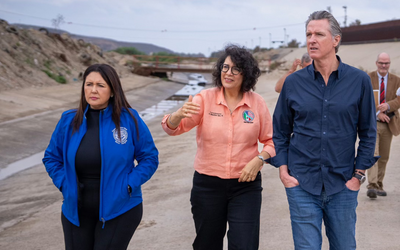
x: 193, y: 26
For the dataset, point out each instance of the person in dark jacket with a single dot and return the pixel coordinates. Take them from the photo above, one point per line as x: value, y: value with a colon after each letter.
x: 90, y: 159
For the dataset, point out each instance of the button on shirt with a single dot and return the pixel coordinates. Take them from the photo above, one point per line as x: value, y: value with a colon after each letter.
x: 316, y: 125
x: 227, y: 142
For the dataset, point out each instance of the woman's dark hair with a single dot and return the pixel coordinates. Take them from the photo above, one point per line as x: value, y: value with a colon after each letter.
x: 244, y: 60
x: 118, y: 102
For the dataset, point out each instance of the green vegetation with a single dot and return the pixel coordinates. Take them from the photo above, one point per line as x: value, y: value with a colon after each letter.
x: 129, y: 63
x: 165, y: 79
x: 274, y: 65
x: 258, y: 49
x: 57, y: 78
x: 47, y: 64
x: 30, y: 62
x: 129, y: 51
x: 293, y: 44
x: 163, y: 57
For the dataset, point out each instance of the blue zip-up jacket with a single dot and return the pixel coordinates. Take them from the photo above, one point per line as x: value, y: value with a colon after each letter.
x: 118, y: 170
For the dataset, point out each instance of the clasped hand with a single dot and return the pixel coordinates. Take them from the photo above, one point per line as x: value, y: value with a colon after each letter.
x: 383, y: 107
x: 250, y: 171
x: 383, y: 117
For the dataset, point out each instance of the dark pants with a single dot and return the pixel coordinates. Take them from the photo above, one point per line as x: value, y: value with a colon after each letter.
x: 216, y: 202
x: 90, y: 235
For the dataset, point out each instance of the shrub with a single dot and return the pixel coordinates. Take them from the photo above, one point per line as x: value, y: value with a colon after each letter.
x: 47, y: 64
x: 129, y: 51
x: 274, y: 65
x: 57, y: 78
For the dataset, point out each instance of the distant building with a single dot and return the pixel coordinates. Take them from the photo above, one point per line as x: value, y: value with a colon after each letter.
x: 371, y: 33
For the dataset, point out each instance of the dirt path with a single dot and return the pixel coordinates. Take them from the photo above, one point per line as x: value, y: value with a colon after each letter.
x: 30, y: 204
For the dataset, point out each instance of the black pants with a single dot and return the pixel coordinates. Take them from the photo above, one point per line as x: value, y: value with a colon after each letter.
x: 216, y: 202
x: 116, y: 233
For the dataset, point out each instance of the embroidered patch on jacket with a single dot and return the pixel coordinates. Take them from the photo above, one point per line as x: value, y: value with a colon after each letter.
x: 215, y: 114
x: 124, y: 135
x: 248, y: 116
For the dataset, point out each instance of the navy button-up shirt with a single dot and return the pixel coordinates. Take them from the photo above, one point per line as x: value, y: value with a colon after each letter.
x: 316, y: 127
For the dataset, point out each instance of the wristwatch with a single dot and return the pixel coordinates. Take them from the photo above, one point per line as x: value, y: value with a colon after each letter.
x: 360, y: 176
x: 261, y: 157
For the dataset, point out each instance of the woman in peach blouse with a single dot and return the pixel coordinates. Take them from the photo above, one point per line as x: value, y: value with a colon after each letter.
x: 231, y: 120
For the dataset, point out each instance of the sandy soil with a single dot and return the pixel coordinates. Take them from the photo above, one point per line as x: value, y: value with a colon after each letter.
x: 30, y: 204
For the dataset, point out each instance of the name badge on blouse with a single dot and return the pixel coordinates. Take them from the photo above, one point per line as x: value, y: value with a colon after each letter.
x: 216, y: 114
x: 248, y: 116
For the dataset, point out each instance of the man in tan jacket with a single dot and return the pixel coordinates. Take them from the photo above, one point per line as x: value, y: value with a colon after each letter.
x: 388, y: 122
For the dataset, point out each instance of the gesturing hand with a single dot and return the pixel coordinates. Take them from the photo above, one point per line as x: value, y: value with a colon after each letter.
x: 294, y: 65
x: 188, y: 109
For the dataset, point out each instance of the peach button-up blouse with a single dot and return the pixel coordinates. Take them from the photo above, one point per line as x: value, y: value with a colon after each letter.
x: 227, y: 141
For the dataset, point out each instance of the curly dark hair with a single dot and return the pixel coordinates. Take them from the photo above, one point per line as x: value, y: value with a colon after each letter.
x: 244, y: 60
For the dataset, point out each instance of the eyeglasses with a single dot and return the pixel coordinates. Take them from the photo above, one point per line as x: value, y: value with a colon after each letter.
x: 384, y: 64
x: 235, y: 70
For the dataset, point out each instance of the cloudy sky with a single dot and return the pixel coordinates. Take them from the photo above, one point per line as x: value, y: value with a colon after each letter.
x: 193, y: 26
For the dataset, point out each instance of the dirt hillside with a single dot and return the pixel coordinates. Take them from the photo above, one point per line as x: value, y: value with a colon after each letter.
x: 31, y: 58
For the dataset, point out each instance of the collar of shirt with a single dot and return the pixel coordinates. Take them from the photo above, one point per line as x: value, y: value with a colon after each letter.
x: 221, y: 99
x: 384, y: 77
x: 340, y: 70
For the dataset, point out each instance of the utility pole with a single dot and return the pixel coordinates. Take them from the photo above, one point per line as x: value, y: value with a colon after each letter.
x: 345, y: 15
x: 270, y: 41
x: 284, y: 37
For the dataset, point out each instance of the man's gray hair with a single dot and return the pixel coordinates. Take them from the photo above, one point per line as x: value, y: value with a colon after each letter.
x: 305, y: 58
x: 333, y: 24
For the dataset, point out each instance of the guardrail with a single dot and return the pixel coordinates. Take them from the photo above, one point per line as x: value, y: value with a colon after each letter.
x: 178, y: 61
x: 150, y: 64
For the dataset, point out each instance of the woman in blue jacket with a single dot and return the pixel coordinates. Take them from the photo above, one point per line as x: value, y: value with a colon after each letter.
x: 90, y: 159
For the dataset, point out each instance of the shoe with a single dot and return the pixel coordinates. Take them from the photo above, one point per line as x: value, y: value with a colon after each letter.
x: 372, y: 193
x: 381, y: 192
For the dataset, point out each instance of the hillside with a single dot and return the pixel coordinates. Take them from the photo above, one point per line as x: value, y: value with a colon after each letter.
x: 104, y: 43
x: 29, y: 58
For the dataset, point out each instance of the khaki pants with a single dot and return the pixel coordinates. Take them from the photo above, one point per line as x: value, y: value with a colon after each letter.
x: 382, y: 148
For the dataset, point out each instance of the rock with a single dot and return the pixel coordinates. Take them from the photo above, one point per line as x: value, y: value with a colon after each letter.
x: 12, y: 29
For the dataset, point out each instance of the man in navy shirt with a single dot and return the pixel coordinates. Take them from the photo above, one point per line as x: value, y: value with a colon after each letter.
x: 320, y: 111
